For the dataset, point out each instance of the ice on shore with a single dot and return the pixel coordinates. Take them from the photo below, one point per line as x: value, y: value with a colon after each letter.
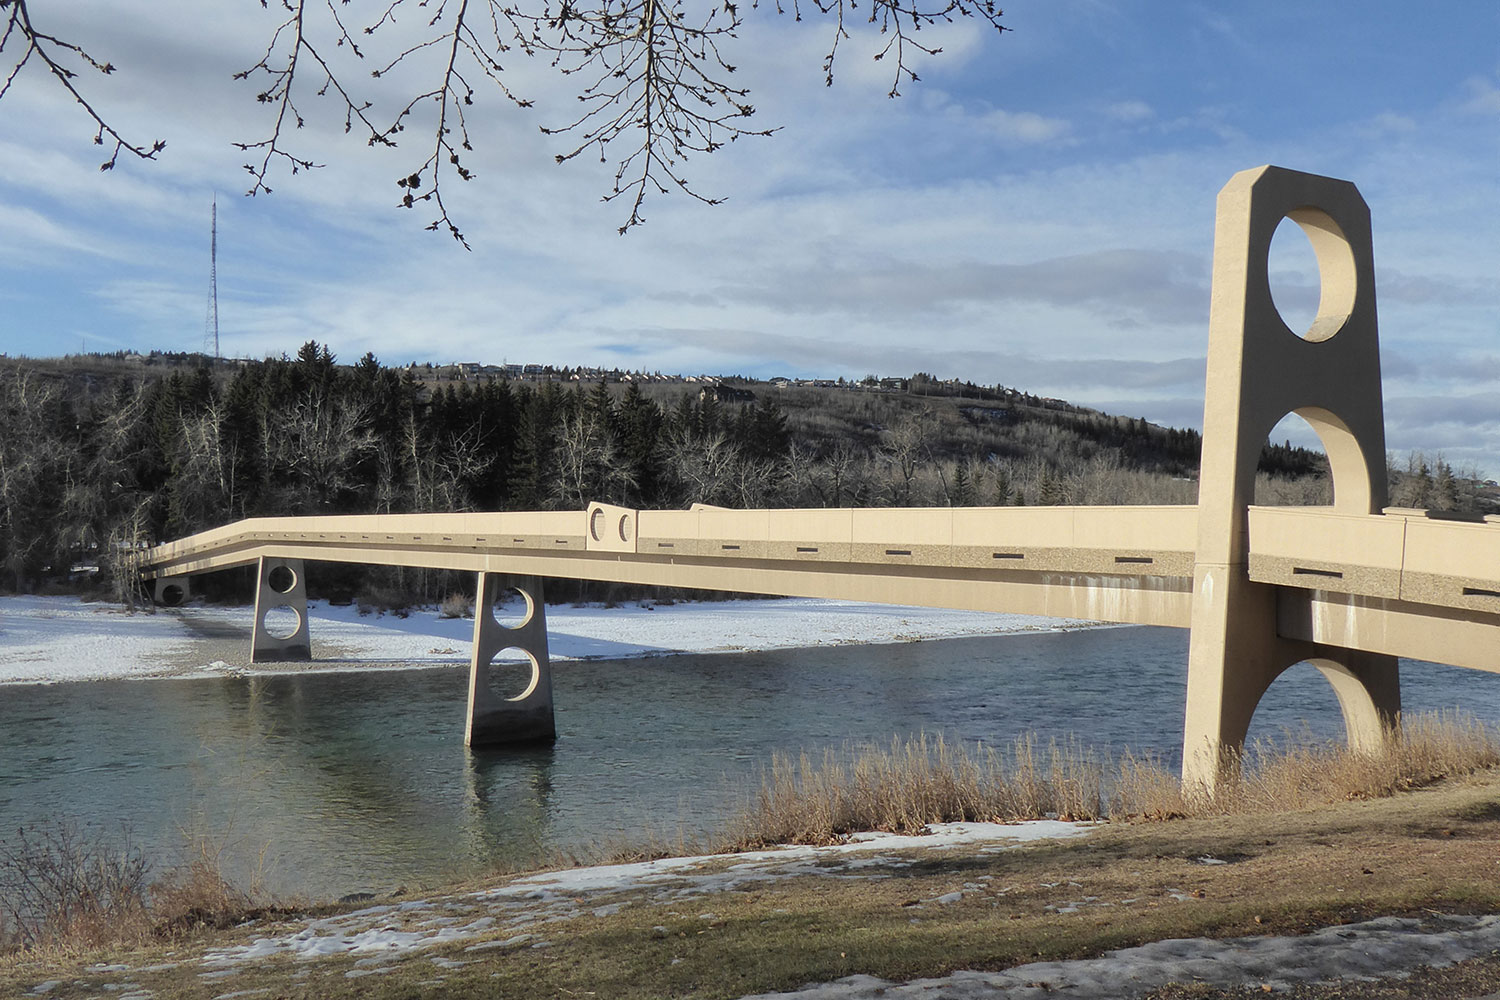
x: 50, y: 639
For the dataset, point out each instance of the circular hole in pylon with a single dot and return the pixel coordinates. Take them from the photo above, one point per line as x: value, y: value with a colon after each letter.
x: 281, y: 579
x: 1293, y: 469
x: 283, y: 622
x: 172, y: 594
x: 512, y: 607
x: 514, y: 675
x: 1311, y: 274
x: 596, y: 524
x: 1292, y: 268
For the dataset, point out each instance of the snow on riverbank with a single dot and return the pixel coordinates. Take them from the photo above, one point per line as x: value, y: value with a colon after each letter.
x: 517, y: 911
x: 450, y: 932
x: 48, y: 639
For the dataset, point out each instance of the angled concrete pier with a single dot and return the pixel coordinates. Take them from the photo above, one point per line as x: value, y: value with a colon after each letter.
x: 281, y: 587
x: 495, y: 716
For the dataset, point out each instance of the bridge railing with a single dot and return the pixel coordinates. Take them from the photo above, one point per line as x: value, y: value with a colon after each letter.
x: 1124, y: 541
x: 1403, y: 554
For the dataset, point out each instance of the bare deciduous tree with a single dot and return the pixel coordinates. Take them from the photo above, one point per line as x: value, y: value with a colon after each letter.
x: 589, y: 465
x: 656, y: 81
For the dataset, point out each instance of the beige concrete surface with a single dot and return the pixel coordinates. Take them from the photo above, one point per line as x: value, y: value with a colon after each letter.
x: 1259, y: 370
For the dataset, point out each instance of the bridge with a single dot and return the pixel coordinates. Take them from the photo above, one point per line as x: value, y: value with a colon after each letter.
x: 1349, y: 587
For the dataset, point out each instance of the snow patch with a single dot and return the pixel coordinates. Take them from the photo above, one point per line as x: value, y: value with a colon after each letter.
x: 1375, y: 948
x: 50, y: 639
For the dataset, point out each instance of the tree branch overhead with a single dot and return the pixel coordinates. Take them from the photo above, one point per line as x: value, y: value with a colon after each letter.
x: 656, y: 84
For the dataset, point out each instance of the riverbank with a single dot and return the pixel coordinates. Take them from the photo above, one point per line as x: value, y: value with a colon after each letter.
x: 1368, y: 899
x: 52, y: 639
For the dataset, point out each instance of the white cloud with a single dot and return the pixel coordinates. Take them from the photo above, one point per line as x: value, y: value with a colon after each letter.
x: 1484, y: 96
x: 933, y: 233
x: 1024, y: 127
x: 1130, y: 112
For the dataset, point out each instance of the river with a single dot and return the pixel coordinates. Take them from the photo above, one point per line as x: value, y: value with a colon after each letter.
x: 325, y: 784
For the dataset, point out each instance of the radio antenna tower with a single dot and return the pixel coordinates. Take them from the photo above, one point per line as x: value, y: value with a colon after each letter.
x: 211, y: 324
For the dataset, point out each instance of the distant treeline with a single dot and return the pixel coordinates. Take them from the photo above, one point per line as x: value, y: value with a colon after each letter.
x: 94, y: 461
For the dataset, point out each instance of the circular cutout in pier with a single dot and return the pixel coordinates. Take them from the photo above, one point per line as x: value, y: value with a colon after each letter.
x: 512, y: 679
x: 172, y: 595
x: 282, y: 622
x: 1313, y: 293
x: 281, y: 579
x: 512, y: 607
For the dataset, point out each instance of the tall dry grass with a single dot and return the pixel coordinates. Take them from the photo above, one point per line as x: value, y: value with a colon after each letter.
x: 1296, y: 772
x: 64, y: 886
x: 912, y: 783
x: 66, y: 889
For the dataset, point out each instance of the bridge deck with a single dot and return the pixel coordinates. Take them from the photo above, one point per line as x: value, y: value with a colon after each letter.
x: 1399, y: 582
x: 1122, y: 564
x: 1402, y: 582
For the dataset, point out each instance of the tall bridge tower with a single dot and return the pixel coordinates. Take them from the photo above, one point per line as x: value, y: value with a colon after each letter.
x: 1260, y: 370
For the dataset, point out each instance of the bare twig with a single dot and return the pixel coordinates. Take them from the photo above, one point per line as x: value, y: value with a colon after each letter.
x: 656, y: 83
x: 49, y: 49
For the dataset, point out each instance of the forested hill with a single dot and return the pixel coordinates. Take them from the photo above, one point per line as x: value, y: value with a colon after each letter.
x: 102, y: 452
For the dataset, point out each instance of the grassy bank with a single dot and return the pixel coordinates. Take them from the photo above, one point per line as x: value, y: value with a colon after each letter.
x: 1309, y: 838
x: 911, y: 783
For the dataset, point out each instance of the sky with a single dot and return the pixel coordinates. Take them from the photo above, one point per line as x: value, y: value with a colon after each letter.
x: 1036, y: 212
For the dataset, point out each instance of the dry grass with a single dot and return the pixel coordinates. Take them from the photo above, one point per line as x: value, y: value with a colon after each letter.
x: 456, y: 605
x: 65, y: 890
x: 915, y: 782
x: 62, y: 887
x: 196, y: 895
x: 1295, y: 772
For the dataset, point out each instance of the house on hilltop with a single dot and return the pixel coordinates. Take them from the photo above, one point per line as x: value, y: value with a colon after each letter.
x: 725, y: 394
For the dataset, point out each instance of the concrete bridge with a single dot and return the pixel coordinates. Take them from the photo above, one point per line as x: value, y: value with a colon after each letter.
x: 1348, y: 588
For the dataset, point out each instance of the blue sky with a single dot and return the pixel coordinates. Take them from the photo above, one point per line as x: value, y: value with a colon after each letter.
x: 1037, y: 212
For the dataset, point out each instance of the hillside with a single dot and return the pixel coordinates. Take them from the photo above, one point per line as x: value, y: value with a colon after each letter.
x: 105, y: 452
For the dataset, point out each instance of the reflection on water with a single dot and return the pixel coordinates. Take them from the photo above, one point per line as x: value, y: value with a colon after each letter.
x: 333, y: 783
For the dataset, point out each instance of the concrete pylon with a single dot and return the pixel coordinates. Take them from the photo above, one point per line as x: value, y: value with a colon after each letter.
x: 281, y: 587
x: 1260, y: 370
x: 524, y: 717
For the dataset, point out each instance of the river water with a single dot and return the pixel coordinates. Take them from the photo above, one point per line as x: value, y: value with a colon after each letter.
x: 325, y: 784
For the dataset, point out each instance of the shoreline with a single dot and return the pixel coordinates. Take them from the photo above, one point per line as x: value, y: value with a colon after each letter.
x: 1357, y: 900
x: 50, y: 640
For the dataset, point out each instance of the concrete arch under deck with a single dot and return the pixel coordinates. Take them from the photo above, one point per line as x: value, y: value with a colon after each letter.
x: 1366, y: 689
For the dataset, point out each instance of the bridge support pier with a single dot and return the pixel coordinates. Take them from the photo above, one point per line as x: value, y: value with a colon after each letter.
x: 494, y: 716
x: 1260, y: 370
x: 280, y: 587
x: 1235, y: 655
